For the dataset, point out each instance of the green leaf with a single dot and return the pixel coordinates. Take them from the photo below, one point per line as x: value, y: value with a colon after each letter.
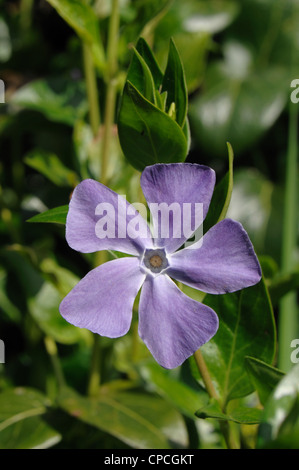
x: 151, y: 14
x: 175, y: 84
x: 140, y: 76
x: 161, y: 102
x: 246, y: 327
x: 10, y: 310
x: 81, y: 17
x: 6, y: 45
x: 146, y: 53
x: 193, y: 49
x: 61, y: 278
x: 43, y: 290
x: 20, y: 403
x: 236, y: 109
x: 246, y: 415
x: 192, y: 24
x: 21, y: 420
x: 179, y: 394
x: 156, y: 411
x: 60, y: 99
x: 275, y: 32
x: 240, y: 415
x: 30, y: 433
x: 211, y: 17
x: 134, y: 74
x: 136, y: 419
x: 280, y: 420
x: 44, y: 308
x: 44, y: 305
x: 51, y: 166
x: 146, y: 134
x: 282, y: 284
x: 263, y: 376
x: 56, y: 215
x: 222, y: 195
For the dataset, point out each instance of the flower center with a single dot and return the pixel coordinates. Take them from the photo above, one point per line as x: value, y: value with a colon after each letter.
x: 155, y: 260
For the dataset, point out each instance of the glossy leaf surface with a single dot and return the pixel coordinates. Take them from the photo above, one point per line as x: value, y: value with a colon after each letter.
x: 147, y: 134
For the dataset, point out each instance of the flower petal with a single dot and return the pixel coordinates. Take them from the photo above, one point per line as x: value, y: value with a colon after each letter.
x: 172, y: 325
x: 100, y: 219
x: 182, y: 187
x: 223, y: 261
x: 103, y: 300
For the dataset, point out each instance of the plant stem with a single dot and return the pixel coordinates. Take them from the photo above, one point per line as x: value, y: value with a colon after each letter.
x: 95, y: 367
x: 288, y: 314
x: 26, y: 7
x: 271, y: 33
x: 51, y: 349
x: 111, y: 82
x: 92, y: 91
x: 204, y: 372
x: 202, y: 367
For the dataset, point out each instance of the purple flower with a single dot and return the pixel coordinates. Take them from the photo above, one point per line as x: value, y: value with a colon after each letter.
x: 172, y: 325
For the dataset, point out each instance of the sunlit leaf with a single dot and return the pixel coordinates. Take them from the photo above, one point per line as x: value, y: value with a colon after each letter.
x: 29, y: 433
x: 241, y: 414
x: 51, y: 166
x: 60, y: 100
x: 267, y: 18
x: 136, y: 419
x: 237, y: 109
x: 56, y: 215
x: 21, y: 423
x: 280, y: 422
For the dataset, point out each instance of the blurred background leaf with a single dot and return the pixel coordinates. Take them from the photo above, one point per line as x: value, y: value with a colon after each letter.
x: 139, y: 420
x: 61, y: 100
x: 280, y: 424
x: 21, y: 423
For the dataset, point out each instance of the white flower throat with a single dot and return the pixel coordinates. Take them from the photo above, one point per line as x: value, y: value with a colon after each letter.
x: 155, y: 260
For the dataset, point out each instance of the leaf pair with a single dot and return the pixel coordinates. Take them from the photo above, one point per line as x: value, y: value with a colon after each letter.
x: 279, y: 395
x: 264, y: 378
x: 152, y: 121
